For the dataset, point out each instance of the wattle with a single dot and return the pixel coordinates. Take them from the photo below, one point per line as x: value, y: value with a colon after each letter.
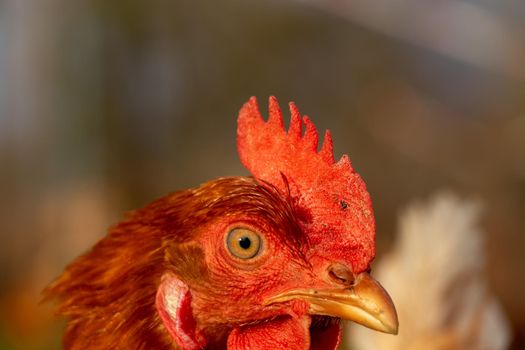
x: 288, y: 332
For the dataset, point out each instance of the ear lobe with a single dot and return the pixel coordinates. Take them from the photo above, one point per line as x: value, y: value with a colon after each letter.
x: 173, y: 304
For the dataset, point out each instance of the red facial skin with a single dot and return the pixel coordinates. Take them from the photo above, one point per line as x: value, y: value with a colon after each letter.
x: 165, y: 279
x: 233, y: 294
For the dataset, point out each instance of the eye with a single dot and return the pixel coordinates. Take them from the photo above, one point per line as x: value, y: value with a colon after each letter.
x: 243, y: 243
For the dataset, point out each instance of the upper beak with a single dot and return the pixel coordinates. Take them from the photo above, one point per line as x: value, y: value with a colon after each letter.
x: 366, y: 303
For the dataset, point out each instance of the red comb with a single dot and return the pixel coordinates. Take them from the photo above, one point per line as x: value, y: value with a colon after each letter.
x: 332, y: 194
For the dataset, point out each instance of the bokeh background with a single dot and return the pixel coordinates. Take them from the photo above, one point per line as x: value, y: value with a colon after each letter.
x: 107, y: 105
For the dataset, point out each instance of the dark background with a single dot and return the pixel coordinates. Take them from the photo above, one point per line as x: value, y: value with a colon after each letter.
x: 106, y: 105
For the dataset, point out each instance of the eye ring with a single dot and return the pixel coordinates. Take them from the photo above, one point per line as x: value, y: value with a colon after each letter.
x: 243, y: 243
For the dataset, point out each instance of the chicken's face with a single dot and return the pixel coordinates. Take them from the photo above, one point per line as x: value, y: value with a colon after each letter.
x: 284, y: 258
x: 251, y: 269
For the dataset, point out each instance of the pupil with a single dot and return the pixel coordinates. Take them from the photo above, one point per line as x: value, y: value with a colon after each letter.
x: 245, y: 242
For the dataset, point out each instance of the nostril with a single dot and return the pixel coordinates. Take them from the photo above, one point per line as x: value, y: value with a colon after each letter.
x: 337, y: 278
x: 341, y: 274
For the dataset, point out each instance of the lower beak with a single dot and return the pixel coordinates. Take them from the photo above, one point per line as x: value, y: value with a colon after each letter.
x: 366, y: 303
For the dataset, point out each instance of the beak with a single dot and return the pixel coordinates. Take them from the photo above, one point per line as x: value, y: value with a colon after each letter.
x: 366, y: 303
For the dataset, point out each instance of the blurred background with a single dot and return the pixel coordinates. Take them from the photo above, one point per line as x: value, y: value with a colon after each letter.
x: 107, y: 105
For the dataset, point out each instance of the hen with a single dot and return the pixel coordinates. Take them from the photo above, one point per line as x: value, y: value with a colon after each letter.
x: 270, y: 261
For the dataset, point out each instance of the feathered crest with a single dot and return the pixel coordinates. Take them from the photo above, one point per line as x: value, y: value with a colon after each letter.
x: 331, y: 193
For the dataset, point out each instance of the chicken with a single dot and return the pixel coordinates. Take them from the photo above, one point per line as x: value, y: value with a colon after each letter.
x: 442, y: 305
x: 270, y: 261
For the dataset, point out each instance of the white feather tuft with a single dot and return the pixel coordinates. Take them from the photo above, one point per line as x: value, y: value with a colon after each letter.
x: 436, y: 279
